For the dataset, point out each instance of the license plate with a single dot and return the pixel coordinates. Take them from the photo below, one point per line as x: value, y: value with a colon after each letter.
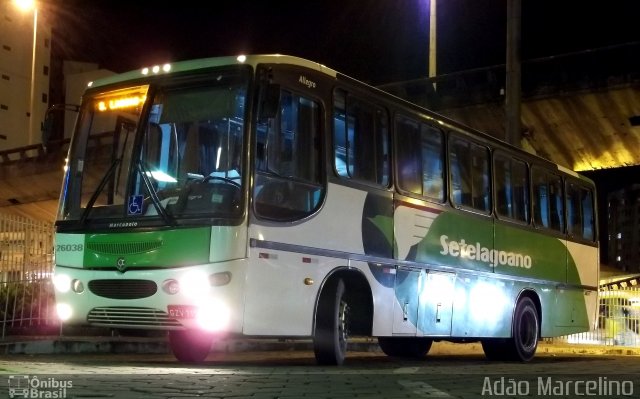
x: 182, y: 311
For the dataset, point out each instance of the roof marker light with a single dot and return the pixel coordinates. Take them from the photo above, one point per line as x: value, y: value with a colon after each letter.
x: 145, y: 71
x: 241, y: 58
x: 156, y: 69
x: 166, y: 67
x: 89, y: 84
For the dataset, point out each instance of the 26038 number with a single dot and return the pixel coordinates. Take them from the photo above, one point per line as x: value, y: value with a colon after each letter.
x: 69, y: 247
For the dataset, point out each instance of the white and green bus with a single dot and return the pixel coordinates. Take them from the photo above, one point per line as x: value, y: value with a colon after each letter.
x: 271, y: 196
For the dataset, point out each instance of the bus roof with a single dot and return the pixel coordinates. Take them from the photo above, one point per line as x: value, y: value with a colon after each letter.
x: 191, y: 65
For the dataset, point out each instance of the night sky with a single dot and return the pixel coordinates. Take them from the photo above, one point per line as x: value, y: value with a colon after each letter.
x: 376, y: 41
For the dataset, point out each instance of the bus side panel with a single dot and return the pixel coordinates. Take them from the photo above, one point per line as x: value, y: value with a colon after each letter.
x: 277, y: 300
x: 529, y: 253
x: 582, y: 270
x: 482, y: 306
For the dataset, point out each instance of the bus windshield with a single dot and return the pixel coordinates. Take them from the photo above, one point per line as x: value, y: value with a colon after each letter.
x: 181, y: 158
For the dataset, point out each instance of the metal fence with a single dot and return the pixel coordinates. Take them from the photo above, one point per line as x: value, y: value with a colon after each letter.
x: 27, y: 302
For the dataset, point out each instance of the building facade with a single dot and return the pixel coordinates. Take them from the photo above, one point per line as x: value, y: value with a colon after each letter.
x: 624, y: 228
x: 24, y: 80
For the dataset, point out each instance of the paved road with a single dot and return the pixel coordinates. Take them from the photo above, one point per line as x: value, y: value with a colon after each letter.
x: 293, y: 374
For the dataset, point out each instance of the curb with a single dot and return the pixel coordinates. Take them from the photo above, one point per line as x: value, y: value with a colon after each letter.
x: 159, y: 345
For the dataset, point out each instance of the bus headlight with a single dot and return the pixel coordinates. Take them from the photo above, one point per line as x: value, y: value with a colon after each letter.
x: 62, y: 283
x: 213, y: 316
x: 64, y: 311
x: 194, y: 284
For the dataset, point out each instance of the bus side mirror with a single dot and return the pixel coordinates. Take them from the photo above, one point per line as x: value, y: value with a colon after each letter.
x: 270, y: 102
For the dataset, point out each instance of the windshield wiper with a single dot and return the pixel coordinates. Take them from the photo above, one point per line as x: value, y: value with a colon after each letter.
x: 94, y: 196
x: 169, y: 219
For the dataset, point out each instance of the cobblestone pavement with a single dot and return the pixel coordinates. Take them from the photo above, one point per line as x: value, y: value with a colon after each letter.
x: 293, y: 374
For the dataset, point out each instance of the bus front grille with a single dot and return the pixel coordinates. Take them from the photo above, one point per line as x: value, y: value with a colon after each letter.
x: 123, y: 289
x: 130, y: 316
x: 124, y: 248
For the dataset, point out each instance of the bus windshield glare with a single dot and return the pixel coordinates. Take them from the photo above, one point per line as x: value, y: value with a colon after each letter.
x: 164, y: 152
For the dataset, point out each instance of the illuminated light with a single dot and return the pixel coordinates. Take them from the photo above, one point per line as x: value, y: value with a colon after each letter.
x: 89, y: 84
x: 440, y: 288
x: 214, y: 316
x: 218, y: 158
x: 195, y: 284
x: 145, y: 71
x: 25, y: 5
x: 242, y: 58
x: 171, y: 286
x: 64, y: 311
x: 120, y: 103
x: 166, y: 67
x: 62, y: 283
x: 487, y: 302
x: 161, y: 176
x: 219, y: 279
x: 156, y: 69
x: 77, y: 286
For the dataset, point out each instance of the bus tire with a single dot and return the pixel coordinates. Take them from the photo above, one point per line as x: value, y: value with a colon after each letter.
x: 525, y: 334
x: 331, y: 326
x: 190, y: 346
x: 526, y: 330
x: 405, y: 347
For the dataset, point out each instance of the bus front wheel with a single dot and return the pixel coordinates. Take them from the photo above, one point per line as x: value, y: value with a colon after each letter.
x: 405, y: 347
x: 190, y: 346
x: 331, y: 327
x: 525, y: 335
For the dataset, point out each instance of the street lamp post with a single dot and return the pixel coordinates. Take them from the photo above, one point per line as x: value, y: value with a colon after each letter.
x: 432, y: 39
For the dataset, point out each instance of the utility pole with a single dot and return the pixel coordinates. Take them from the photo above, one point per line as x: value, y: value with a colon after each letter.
x: 513, y: 93
x: 432, y: 40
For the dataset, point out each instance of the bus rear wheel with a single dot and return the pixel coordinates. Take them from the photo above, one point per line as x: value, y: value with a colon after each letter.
x: 405, y: 347
x: 331, y: 327
x: 190, y: 346
x: 525, y: 335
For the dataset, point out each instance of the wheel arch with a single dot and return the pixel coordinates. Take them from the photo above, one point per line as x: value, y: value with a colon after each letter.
x: 358, y: 294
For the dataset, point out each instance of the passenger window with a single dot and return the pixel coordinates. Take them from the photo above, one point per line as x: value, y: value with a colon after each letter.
x: 580, y: 212
x: 288, y: 183
x: 419, y: 158
x: 469, y: 164
x: 512, y: 188
x: 548, y: 208
x: 361, y: 139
